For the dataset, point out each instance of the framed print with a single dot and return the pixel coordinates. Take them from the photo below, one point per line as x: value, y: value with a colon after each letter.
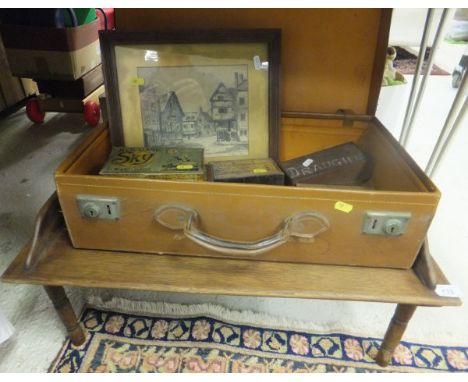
x: 215, y: 89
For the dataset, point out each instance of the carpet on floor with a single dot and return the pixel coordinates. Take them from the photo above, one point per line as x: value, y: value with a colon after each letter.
x: 158, y: 337
x: 405, y: 63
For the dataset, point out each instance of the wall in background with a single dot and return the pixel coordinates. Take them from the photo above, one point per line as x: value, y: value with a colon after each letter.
x: 408, y: 25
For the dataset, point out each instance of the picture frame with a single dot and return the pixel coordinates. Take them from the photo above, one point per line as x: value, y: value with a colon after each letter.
x: 216, y: 89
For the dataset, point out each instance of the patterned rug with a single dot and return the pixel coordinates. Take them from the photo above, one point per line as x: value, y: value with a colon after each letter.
x: 128, y: 342
x: 405, y: 63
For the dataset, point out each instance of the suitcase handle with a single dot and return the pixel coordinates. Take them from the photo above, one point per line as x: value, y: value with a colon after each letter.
x: 303, y: 226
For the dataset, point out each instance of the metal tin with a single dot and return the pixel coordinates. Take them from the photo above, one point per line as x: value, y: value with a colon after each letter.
x: 261, y: 171
x: 171, y: 163
x: 343, y: 164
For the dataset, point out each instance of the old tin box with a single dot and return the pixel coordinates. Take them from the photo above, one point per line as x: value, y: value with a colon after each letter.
x: 259, y: 171
x: 321, y: 73
x: 173, y: 163
x: 344, y: 165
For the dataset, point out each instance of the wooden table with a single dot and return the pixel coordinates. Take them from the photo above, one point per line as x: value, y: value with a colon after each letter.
x: 51, y: 261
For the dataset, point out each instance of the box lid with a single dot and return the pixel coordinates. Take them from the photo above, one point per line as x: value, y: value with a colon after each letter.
x: 331, y: 58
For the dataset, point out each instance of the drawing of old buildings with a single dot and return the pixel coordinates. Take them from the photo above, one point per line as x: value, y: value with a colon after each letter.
x: 223, y: 108
x: 189, y: 126
x: 205, y: 124
x: 150, y: 114
x: 163, y: 118
x: 166, y: 122
x: 242, y: 104
x: 172, y: 116
x: 229, y: 109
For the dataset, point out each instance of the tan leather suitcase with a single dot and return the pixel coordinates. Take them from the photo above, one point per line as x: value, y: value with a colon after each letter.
x: 331, y: 59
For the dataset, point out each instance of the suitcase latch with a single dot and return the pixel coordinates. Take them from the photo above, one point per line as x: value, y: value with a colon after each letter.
x: 385, y: 223
x: 98, y: 207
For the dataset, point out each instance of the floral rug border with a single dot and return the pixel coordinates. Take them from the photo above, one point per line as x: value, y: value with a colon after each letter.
x: 236, y: 347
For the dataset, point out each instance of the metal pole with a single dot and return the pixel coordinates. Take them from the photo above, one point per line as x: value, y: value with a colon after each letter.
x: 419, y: 63
x: 444, y: 149
x: 430, y: 62
x: 449, y: 122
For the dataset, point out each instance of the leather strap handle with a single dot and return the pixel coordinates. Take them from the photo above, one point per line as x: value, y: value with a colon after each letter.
x: 303, y: 226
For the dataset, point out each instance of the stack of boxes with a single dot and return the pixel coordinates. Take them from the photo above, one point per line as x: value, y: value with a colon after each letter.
x: 58, y: 48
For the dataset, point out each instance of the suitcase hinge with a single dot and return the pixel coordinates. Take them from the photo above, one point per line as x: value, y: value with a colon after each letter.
x: 347, y: 116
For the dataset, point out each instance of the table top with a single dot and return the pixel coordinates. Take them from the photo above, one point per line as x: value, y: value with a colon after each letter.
x: 61, y: 264
x: 64, y: 265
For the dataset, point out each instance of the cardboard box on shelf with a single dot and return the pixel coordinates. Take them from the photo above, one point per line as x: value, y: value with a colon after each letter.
x: 52, y: 53
x: 12, y: 89
x: 79, y: 88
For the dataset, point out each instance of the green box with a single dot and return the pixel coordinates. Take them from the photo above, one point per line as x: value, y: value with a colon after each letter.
x: 171, y: 163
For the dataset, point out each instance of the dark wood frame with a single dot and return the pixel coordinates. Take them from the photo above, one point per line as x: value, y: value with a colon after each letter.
x: 271, y: 37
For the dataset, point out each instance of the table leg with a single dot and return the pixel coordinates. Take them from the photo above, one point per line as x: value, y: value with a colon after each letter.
x: 395, y: 330
x: 67, y: 315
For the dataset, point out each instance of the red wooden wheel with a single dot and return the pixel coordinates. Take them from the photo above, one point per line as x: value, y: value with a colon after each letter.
x: 91, y: 112
x: 33, y: 111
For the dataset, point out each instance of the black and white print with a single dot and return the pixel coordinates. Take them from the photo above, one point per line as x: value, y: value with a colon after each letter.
x: 196, y: 106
